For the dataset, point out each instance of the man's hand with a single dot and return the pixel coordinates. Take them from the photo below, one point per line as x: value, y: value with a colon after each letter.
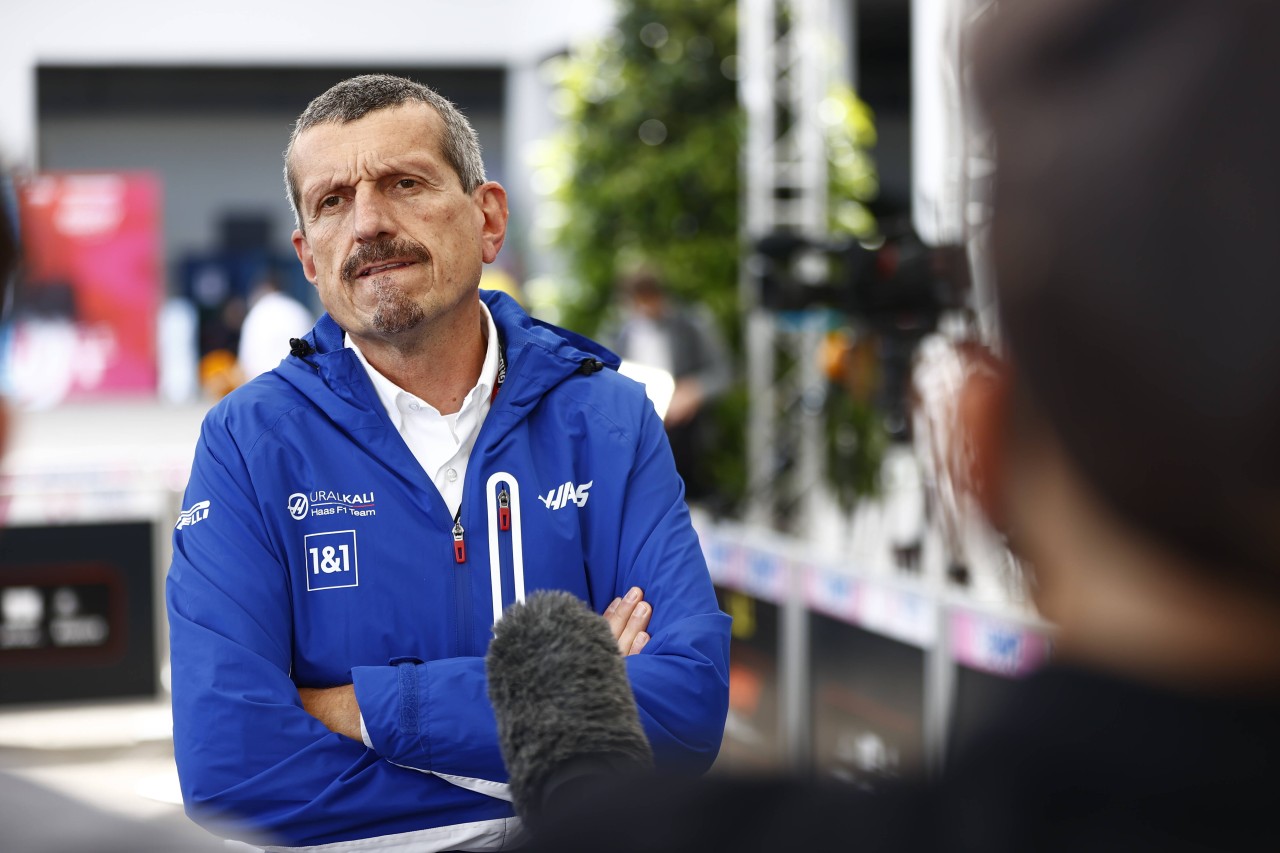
x: 336, y: 707
x: 686, y: 400
x: 628, y: 617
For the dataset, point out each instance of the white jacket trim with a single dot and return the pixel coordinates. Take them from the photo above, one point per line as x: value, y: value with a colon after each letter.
x: 497, y: 790
x: 500, y: 834
x: 488, y: 787
x: 517, y: 543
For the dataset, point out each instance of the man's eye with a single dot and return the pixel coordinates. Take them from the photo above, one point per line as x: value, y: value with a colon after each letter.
x: 406, y: 183
x: 331, y: 201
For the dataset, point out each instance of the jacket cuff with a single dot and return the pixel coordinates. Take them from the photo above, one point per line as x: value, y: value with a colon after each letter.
x: 391, y: 700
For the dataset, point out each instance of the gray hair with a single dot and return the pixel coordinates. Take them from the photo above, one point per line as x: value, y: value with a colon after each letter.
x: 355, y: 98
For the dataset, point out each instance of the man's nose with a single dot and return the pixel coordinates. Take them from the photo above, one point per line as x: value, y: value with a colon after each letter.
x: 373, y: 220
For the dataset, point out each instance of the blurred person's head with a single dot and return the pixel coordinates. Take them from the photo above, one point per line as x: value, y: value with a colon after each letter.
x: 644, y: 291
x: 264, y: 285
x: 1131, y: 448
x: 395, y: 218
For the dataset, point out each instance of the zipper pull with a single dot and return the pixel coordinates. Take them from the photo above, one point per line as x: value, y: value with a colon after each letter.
x: 459, y: 546
x: 504, y: 510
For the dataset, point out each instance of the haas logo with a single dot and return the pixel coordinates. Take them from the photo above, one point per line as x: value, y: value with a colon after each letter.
x: 566, y: 494
x: 298, y: 505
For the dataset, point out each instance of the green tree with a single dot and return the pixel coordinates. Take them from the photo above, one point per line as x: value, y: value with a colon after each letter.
x: 646, y: 167
x: 647, y: 170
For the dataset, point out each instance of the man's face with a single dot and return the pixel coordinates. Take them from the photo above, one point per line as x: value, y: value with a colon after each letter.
x: 392, y: 242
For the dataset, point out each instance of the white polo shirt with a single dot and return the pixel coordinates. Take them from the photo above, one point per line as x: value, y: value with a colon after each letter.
x: 442, y: 444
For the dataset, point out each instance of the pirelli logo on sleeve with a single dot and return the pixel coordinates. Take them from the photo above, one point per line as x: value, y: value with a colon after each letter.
x: 197, y: 513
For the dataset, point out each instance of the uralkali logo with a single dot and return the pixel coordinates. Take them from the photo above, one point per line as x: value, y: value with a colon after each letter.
x: 331, y: 503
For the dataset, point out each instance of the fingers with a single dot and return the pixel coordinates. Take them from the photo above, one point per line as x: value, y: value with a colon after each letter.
x: 628, y: 619
x: 634, y: 636
x: 638, y: 643
x: 620, y: 610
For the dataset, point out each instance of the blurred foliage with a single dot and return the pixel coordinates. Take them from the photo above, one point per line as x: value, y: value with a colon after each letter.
x: 646, y: 167
x: 646, y: 170
x: 856, y: 438
x: 851, y: 173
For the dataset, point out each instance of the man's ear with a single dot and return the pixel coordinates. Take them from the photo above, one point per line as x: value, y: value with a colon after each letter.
x: 303, y: 250
x: 982, y: 415
x: 491, y: 199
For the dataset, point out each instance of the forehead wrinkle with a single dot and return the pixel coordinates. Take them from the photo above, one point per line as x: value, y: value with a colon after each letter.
x: 366, y: 158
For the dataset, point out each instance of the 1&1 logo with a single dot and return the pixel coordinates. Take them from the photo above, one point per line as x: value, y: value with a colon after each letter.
x: 331, y: 560
x: 298, y: 506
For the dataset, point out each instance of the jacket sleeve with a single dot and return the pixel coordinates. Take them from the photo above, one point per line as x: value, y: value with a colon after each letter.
x: 436, y: 715
x: 681, y: 678
x: 246, y: 750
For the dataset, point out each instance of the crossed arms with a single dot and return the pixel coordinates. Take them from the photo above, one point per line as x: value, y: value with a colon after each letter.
x: 337, y: 708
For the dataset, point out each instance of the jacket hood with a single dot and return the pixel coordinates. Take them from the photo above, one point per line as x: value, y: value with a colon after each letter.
x: 515, y: 324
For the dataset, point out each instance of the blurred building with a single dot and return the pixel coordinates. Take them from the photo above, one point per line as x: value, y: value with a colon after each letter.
x: 205, y: 98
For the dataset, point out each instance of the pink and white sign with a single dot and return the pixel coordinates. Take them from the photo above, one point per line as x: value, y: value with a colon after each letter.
x: 85, y: 313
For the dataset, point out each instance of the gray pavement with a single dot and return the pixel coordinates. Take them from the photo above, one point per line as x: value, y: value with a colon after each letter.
x: 116, y: 756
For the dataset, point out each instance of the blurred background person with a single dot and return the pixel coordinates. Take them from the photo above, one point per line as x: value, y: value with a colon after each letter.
x: 1125, y: 443
x: 662, y: 333
x: 273, y: 318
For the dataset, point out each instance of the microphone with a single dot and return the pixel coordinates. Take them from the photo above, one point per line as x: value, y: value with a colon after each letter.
x: 566, y: 714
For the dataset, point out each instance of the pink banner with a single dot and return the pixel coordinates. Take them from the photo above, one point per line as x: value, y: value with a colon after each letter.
x: 85, y: 316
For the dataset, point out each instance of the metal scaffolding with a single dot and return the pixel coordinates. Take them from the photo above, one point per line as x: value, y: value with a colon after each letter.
x: 787, y: 59
x: 785, y: 55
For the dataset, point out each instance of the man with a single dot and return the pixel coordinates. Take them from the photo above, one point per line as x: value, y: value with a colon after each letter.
x: 274, y: 318
x: 1129, y: 447
x: 357, y: 518
x: 660, y: 333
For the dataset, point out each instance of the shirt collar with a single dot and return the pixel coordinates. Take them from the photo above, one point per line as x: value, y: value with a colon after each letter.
x: 389, y: 392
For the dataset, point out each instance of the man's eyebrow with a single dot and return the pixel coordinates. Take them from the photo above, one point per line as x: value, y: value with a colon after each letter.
x: 415, y: 163
x: 320, y: 187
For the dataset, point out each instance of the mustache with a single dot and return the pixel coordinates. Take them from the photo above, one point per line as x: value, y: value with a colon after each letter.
x: 383, y: 250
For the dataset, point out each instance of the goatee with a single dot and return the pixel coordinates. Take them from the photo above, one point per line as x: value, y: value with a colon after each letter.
x: 395, y: 313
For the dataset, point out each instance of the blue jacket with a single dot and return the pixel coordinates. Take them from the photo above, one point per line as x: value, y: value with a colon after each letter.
x: 314, y: 551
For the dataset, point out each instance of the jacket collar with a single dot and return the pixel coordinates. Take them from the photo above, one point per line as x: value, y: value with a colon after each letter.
x: 539, y: 356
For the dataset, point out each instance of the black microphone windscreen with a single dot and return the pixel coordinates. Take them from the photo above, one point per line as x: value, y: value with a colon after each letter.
x: 561, y: 696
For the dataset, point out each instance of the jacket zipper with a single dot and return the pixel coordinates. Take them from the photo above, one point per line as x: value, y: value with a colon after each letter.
x: 461, y: 586
x: 459, y: 543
